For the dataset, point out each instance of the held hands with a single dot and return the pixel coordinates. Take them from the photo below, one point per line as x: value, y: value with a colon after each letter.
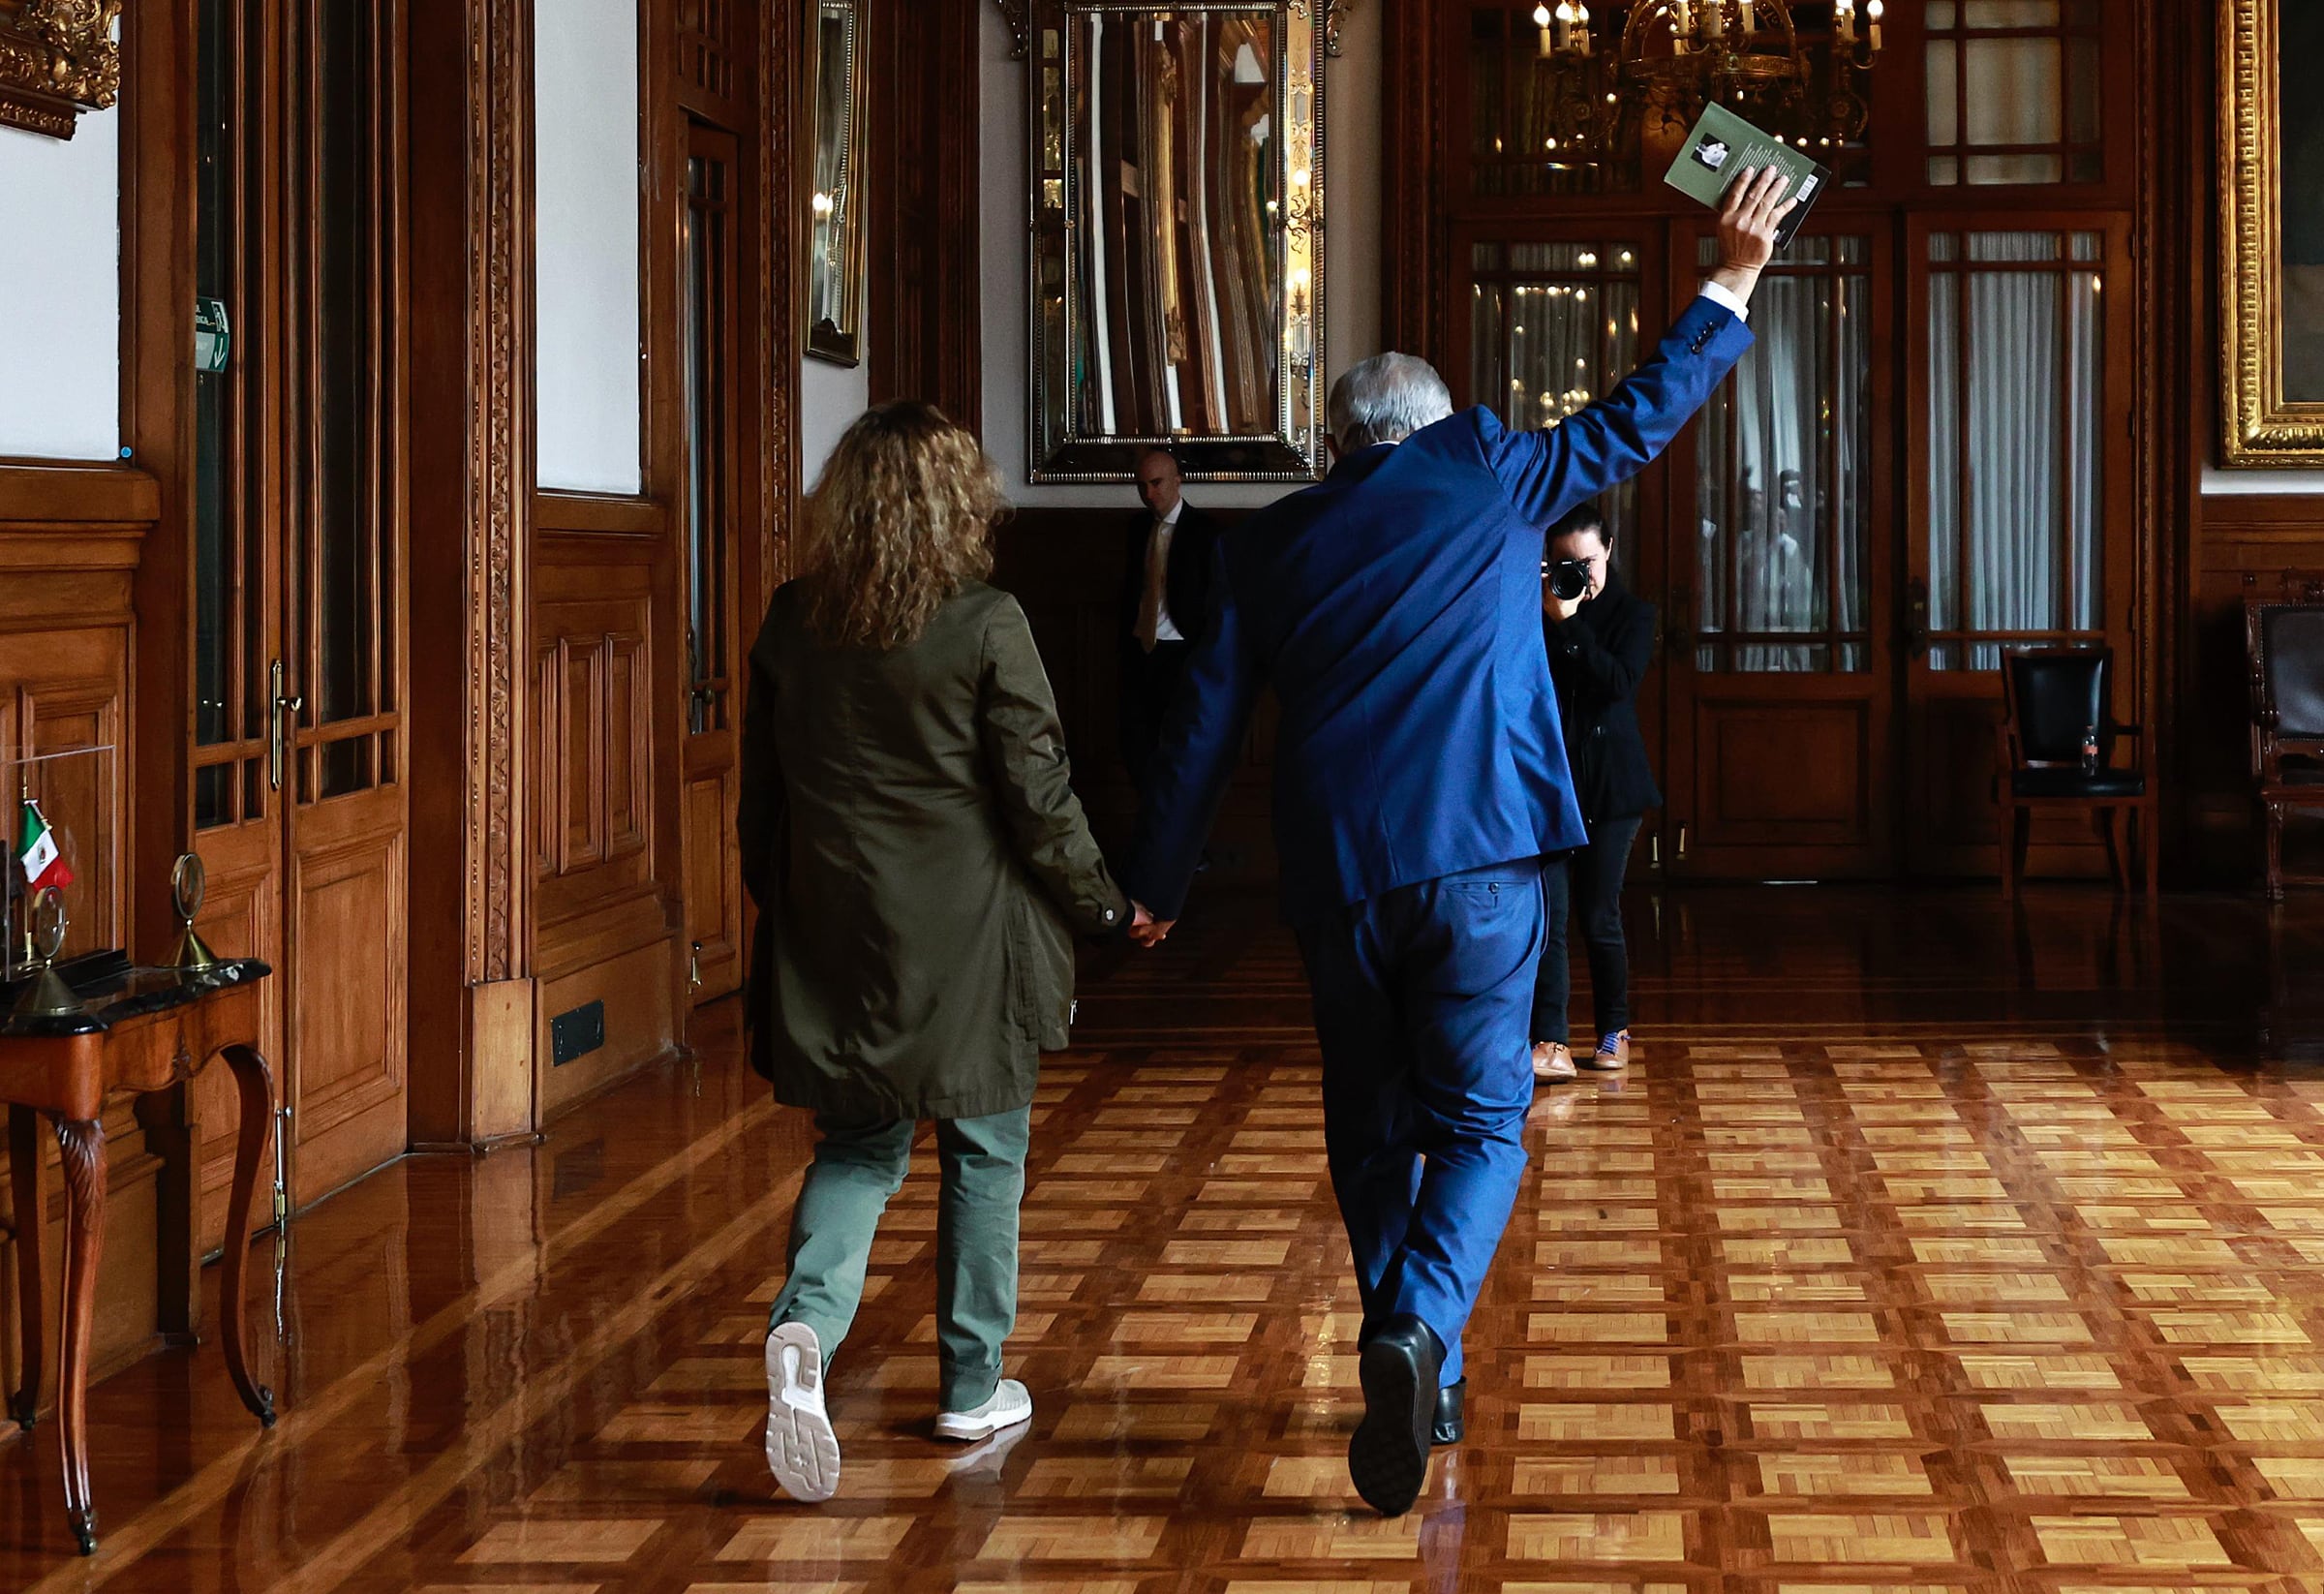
x: 1147, y: 930
x: 1747, y: 223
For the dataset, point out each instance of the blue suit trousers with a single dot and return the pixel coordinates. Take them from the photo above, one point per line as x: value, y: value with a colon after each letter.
x: 1422, y: 997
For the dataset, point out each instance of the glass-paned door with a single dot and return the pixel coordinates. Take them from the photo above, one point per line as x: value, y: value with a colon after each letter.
x: 1553, y: 327
x: 708, y: 313
x: 298, y: 579
x: 2020, y: 459
x: 1778, y: 693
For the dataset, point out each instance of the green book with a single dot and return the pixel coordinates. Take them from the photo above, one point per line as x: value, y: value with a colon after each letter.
x: 1722, y: 144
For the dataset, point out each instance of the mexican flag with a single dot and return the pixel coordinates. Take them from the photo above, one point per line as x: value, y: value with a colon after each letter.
x: 44, y: 863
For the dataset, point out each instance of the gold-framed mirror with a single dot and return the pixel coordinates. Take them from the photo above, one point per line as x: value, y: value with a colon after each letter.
x: 1196, y: 321
x: 2272, y: 236
x: 834, y: 274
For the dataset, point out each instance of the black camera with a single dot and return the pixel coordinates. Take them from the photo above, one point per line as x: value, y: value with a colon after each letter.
x: 1568, y: 578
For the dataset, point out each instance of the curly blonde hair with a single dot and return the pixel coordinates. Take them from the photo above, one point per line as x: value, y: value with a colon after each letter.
x: 901, y: 521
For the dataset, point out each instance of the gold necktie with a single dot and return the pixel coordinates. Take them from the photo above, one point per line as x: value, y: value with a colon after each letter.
x: 1157, y: 579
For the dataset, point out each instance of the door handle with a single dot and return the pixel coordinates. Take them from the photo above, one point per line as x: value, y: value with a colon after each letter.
x: 276, y: 739
x: 1682, y: 843
x: 1917, y: 619
x: 1680, y: 632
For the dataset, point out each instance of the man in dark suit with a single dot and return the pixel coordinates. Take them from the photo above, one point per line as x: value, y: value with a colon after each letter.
x: 1421, y: 780
x: 1165, y: 593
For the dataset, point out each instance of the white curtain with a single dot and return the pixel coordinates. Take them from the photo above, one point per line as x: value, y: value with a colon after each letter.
x: 1555, y: 341
x: 2029, y: 357
x: 1781, y: 480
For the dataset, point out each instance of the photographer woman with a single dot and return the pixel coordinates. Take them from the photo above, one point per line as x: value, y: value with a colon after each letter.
x: 1599, y: 641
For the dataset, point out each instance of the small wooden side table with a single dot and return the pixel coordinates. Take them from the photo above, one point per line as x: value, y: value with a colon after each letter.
x: 144, y: 1030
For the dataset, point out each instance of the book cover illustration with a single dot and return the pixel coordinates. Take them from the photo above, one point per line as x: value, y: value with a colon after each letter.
x: 1722, y: 144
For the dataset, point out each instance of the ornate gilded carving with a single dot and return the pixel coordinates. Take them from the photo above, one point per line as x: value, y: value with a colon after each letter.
x: 1335, y: 15
x: 779, y: 75
x: 501, y: 470
x: 57, y: 58
x: 2261, y: 425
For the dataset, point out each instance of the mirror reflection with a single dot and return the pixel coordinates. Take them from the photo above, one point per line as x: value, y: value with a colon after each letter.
x: 1177, y: 210
x: 1176, y: 225
x: 834, y: 270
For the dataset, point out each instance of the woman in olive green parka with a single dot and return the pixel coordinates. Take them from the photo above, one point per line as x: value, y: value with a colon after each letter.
x: 920, y: 864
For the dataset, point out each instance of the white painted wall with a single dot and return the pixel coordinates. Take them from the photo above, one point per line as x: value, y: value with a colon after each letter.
x: 588, y: 352
x: 1353, y: 249
x: 830, y: 398
x: 2218, y: 483
x: 60, y: 279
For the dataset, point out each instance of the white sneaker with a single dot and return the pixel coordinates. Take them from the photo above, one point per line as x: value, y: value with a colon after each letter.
x: 1009, y: 1406
x: 802, y: 1450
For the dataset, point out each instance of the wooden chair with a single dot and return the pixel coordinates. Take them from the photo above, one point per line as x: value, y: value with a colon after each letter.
x: 2051, y: 698
x: 2284, y: 637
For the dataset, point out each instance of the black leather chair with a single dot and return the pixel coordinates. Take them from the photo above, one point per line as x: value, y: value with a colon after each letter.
x: 2052, y: 699
x: 2283, y: 636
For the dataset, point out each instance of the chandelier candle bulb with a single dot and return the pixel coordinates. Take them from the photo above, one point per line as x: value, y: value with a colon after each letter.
x: 1872, y: 13
x: 1751, y: 20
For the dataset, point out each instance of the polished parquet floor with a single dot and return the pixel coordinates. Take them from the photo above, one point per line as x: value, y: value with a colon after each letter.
x: 1932, y: 1245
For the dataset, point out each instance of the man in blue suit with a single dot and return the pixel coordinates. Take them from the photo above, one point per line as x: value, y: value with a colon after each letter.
x: 1421, y: 780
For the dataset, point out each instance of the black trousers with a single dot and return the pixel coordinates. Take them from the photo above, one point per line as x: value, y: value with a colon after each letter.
x: 1150, y: 681
x: 1585, y: 888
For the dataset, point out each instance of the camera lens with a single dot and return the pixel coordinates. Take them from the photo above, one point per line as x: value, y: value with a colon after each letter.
x: 1568, y: 579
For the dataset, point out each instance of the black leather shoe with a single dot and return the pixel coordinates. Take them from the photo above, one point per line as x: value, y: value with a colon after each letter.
x: 1452, y: 1423
x: 1387, y: 1454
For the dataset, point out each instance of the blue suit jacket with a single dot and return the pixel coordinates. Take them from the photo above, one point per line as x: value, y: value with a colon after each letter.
x: 1395, y: 608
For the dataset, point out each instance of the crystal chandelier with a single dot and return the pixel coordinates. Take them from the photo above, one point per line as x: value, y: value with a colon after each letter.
x: 1672, y: 57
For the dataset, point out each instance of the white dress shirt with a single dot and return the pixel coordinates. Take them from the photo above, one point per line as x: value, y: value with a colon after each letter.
x: 1154, y: 625
x: 1718, y: 293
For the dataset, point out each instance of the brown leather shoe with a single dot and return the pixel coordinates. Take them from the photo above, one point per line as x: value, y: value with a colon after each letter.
x: 1613, y: 1052
x: 1552, y: 1063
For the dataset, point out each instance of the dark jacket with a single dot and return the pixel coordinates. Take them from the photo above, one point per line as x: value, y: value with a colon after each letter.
x: 1598, y: 659
x: 1394, y: 611
x: 919, y: 862
x: 1192, y: 544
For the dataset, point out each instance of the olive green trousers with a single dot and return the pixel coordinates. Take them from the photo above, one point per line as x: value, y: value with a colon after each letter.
x: 857, y: 1168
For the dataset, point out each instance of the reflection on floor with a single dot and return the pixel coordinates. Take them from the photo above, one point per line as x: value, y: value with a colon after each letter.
x: 1928, y: 1246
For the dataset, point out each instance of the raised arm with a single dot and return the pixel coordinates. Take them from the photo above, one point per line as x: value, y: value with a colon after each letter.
x: 1545, y: 472
x: 1024, y: 751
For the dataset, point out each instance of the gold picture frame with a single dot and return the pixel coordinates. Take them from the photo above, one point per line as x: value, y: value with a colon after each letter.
x: 2272, y: 256
x: 57, y: 59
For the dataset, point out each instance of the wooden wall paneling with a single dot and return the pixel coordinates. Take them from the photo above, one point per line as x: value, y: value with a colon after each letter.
x: 663, y: 201
x: 71, y: 541
x: 606, y: 860
x: 1413, y: 140
x: 2241, y: 536
x: 923, y: 308
x: 157, y: 415
x: 1064, y: 567
x: 472, y: 469
x: 781, y: 301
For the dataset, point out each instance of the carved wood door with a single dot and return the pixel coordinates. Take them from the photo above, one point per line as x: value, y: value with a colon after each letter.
x: 716, y: 644
x: 1778, y: 663
x: 2020, y: 349
x: 298, y: 570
